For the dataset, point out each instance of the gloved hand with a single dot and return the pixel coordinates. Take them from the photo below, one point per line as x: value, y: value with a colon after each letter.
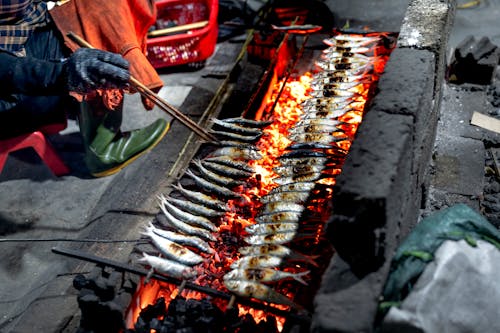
x: 88, y: 69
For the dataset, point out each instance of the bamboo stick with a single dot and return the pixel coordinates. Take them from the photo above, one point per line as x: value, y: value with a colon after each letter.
x: 179, y: 28
x: 160, y: 102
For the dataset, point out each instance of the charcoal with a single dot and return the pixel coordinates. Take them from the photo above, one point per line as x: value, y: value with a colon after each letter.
x: 152, y: 311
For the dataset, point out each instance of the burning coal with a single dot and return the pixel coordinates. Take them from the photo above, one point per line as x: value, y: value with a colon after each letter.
x: 248, y: 218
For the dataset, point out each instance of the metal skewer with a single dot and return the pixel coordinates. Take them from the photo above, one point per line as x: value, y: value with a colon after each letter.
x: 162, y: 104
x: 303, y: 316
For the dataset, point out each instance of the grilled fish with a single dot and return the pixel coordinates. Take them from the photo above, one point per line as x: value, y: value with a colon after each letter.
x: 277, y: 238
x: 279, y: 217
x: 185, y: 227
x: 299, y: 129
x: 305, y: 177
x: 289, y: 171
x: 242, y: 165
x: 179, y: 238
x: 237, y: 153
x: 202, y: 198
x: 217, y: 178
x: 236, y: 136
x: 264, y: 275
x: 257, y: 261
x: 197, y: 220
x: 278, y: 251
x: 333, y: 93
x: 214, y: 188
x: 271, y: 228
x: 291, y: 196
x: 349, y: 86
x: 172, y: 250
x: 236, y: 128
x: 318, y: 137
x: 248, y: 122
x: 283, y: 206
x: 303, y: 187
x: 195, y: 208
x: 258, y: 291
x: 168, y: 267
x: 226, y: 170
x: 325, y: 78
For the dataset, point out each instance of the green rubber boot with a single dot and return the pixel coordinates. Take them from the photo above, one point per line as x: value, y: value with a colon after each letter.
x: 107, y: 149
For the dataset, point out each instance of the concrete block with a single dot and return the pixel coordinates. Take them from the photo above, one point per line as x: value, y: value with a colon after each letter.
x: 371, y: 193
x: 349, y: 309
x: 426, y: 26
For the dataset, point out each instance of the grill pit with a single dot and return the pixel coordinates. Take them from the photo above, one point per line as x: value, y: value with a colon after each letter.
x: 376, y: 198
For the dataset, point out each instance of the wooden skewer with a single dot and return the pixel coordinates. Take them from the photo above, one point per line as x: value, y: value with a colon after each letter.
x: 179, y: 28
x: 148, y: 93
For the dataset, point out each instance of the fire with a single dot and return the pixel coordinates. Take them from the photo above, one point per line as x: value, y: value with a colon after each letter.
x: 284, y: 109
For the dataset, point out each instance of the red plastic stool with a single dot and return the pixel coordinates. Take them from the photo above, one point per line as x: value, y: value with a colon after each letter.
x: 40, y: 144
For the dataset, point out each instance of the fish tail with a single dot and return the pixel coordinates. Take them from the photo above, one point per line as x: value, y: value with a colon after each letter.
x: 298, y: 277
x: 143, y: 259
x: 306, y: 258
x: 148, y: 229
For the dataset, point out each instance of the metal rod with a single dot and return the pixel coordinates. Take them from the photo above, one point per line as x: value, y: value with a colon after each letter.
x: 288, y: 73
x: 151, y: 95
x: 121, y: 267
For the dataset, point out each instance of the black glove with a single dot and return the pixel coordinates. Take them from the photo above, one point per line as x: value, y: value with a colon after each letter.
x: 89, y: 69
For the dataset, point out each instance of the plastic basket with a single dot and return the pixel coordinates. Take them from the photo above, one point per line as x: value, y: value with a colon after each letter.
x: 193, y: 45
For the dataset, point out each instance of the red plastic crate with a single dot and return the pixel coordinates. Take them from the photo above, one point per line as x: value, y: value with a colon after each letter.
x: 195, y: 45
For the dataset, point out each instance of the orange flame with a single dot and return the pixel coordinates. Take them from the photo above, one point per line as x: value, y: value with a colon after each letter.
x: 273, y: 143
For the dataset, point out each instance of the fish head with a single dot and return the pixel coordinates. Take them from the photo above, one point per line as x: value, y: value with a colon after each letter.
x: 231, y: 275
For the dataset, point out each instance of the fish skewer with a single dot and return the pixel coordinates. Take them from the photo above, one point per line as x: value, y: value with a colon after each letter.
x: 235, y: 136
x: 264, y: 275
x: 292, y: 196
x: 275, y: 239
x: 167, y: 267
x: 247, y: 122
x: 282, y: 206
x: 174, y: 251
x: 224, y: 160
x: 214, y: 188
x: 226, y: 170
x: 195, y: 208
x: 189, y: 218
x: 265, y: 260
x: 202, y: 198
x: 237, y: 128
x: 278, y: 251
x: 215, y: 177
x: 259, y: 291
x: 271, y: 228
x: 185, y: 227
x: 237, y: 153
x: 179, y: 238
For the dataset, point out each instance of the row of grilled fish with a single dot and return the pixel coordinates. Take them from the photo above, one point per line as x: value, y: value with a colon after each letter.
x: 312, y: 155
x: 190, y: 228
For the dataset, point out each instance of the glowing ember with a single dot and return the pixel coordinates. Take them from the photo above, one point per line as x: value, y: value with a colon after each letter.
x: 274, y: 143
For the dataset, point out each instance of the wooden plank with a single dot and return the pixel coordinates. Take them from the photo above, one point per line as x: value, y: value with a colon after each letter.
x: 486, y: 122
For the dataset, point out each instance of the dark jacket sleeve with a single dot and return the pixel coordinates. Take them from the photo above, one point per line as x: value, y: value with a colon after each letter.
x: 30, y: 76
